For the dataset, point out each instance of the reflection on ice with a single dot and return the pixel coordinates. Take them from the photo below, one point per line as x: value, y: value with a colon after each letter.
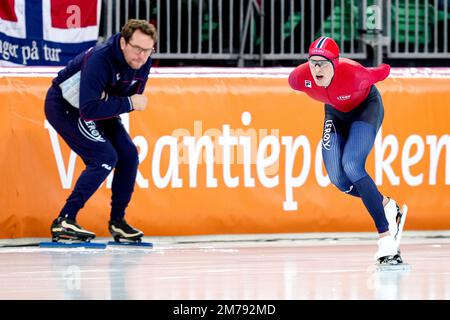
x: 226, y: 270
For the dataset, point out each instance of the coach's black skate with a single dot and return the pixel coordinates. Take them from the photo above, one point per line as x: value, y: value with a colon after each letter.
x: 64, y: 229
x: 121, y: 230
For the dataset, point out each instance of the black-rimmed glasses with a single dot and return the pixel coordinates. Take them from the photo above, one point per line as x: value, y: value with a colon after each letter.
x: 138, y: 50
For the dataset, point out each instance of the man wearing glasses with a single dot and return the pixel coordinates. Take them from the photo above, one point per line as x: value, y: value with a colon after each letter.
x: 353, y: 114
x: 83, y: 104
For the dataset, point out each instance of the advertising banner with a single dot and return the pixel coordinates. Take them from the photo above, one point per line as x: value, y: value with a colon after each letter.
x: 229, y: 152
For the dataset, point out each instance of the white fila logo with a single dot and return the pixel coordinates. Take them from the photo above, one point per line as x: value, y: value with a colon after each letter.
x: 308, y: 84
x: 118, y: 76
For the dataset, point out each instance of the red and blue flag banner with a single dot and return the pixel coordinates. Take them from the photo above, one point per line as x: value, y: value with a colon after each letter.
x: 46, y: 32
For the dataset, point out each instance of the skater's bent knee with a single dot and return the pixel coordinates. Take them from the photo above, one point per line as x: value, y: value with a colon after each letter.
x: 129, y: 158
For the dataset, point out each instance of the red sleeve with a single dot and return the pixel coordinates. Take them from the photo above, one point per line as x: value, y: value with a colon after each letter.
x: 379, y: 73
x: 373, y: 75
x: 297, y: 75
x: 362, y: 77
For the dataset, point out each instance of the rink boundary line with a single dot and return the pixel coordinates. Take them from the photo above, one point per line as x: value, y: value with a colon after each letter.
x: 276, y: 237
x: 257, y: 73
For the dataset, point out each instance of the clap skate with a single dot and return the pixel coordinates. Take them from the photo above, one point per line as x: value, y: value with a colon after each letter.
x: 67, y: 233
x: 392, y: 260
x: 396, y: 219
x: 388, y: 255
x: 124, y: 234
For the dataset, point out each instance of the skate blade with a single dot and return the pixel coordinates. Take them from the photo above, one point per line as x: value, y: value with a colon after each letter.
x: 393, y: 267
x: 89, y: 245
x: 402, y: 224
x: 131, y: 244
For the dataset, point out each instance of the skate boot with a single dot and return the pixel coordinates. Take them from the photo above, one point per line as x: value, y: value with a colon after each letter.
x: 120, y: 229
x: 396, y: 218
x: 388, y: 253
x: 68, y: 230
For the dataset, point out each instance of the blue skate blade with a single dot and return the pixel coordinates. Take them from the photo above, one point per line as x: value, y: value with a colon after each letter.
x: 131, y: 244
x: 393, y: 267
x: 89, y: 245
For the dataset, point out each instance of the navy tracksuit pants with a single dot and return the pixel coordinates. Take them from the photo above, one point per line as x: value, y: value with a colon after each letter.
x: 102, y: 145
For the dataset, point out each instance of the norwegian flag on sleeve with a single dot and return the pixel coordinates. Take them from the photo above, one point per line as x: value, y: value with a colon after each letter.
x: 46, y: 32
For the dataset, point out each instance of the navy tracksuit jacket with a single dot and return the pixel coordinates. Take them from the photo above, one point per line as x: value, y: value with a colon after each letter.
x: 94, y: 130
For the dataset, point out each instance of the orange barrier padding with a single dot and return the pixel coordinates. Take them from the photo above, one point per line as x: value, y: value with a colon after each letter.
x: 228, y: 155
